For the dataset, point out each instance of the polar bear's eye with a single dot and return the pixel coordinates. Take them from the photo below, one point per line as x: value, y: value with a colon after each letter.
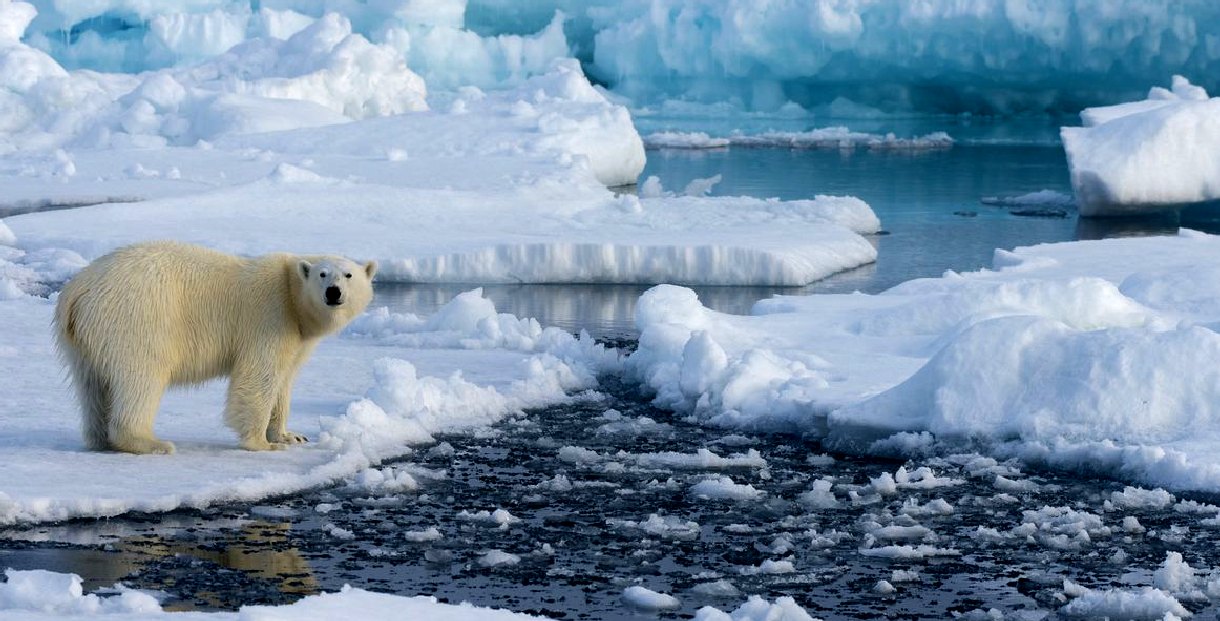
x: 321, y: 274
x: 347, y: 275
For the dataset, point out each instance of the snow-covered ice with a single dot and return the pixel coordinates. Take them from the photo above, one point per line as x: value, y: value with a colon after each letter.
x: 1118, y: 336
x: 1146, y: 155
x: 647, y: 599
x: 362, y: 404
x: 39, y: 595
x: 861, y: 58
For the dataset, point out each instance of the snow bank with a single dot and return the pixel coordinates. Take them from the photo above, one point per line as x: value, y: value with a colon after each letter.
x: 38, y: 595
x: 1146, y: 155
x: 1118, y: 337
x: 359, y: 406
x: 43, y: 595
x: 323, y: 74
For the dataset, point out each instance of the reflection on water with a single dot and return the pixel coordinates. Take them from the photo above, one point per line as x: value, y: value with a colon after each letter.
x: 602, y: 310
x: 105, y: 553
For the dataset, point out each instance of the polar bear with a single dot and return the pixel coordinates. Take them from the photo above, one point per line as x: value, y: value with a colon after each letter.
x: 157, y: 314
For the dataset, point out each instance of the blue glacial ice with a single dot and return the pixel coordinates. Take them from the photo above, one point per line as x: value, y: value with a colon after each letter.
x: 838, y: 57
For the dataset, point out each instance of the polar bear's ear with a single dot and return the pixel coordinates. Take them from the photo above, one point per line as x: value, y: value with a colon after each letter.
x: 370, y: 268
x: 303, y: 268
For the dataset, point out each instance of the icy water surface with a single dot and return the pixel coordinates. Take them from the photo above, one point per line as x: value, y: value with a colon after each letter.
x: 930, y: 206
x: 558, y: 511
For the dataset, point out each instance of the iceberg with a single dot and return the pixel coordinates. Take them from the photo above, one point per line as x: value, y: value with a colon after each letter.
x: 880, y: 55
x: 1153, y: 154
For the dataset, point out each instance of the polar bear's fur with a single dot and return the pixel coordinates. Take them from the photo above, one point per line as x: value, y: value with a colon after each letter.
x: 157, y: 314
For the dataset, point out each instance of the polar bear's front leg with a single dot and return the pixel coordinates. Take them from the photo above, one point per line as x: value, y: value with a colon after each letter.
x: 253, y: 390
x: 277, y: 428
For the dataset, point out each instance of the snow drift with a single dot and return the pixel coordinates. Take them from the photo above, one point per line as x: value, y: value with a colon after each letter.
x: 1094, y: 355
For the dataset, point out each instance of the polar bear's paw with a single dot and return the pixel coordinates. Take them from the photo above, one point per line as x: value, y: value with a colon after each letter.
x: 286, y: 437
x: 259, y: 444
x: 144, y: 446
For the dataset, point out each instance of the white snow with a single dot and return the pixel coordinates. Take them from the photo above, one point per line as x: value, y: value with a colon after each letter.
x: 1097, y: 326
x: 39, y: 595
x: 1146, y: 155
x: 757, y: 609
x: 1125, y: 604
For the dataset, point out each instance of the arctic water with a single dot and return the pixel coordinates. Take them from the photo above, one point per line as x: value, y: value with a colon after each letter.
x: 938, y: 209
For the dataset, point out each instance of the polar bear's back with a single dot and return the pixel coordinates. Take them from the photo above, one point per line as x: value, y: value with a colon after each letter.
x: 168, y: 308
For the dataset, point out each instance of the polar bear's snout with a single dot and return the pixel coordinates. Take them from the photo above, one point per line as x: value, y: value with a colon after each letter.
x: 334, y: 296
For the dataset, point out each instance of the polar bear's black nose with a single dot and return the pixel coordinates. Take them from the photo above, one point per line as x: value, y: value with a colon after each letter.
x: 333, y: 296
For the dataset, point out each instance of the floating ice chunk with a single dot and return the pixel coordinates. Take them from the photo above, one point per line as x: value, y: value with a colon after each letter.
x: 633, y: 427
x: 500, y: 517
x: 497, y: 558
x: 646, y: 599
x: 1125, y: 604
x: 883, y: 587
x: 769, y: 566
x: 423, y: 536
x: 1135, y: 498
x: 557, y: 483
x: 937, y: 506
x: 668, y: 526
x: 1177, y: 577
x: 1015, y: 486
x: 700, y: 459
x: 1146, y: 155
x: 724, y: 488
x: 908, y: 551
x: 819, y: 496
x: 842, y: 138
x: 719, y: 588
x: 683, y: 140
x: 578, y: 455
x: 757, y: 609
x: 1041, y: 198
x: 895, y: 532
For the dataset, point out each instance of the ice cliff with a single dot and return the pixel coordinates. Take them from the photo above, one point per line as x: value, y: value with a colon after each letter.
x: 983, y: 56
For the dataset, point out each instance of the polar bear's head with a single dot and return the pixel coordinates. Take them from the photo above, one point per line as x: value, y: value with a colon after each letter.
x: 335, y: 289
